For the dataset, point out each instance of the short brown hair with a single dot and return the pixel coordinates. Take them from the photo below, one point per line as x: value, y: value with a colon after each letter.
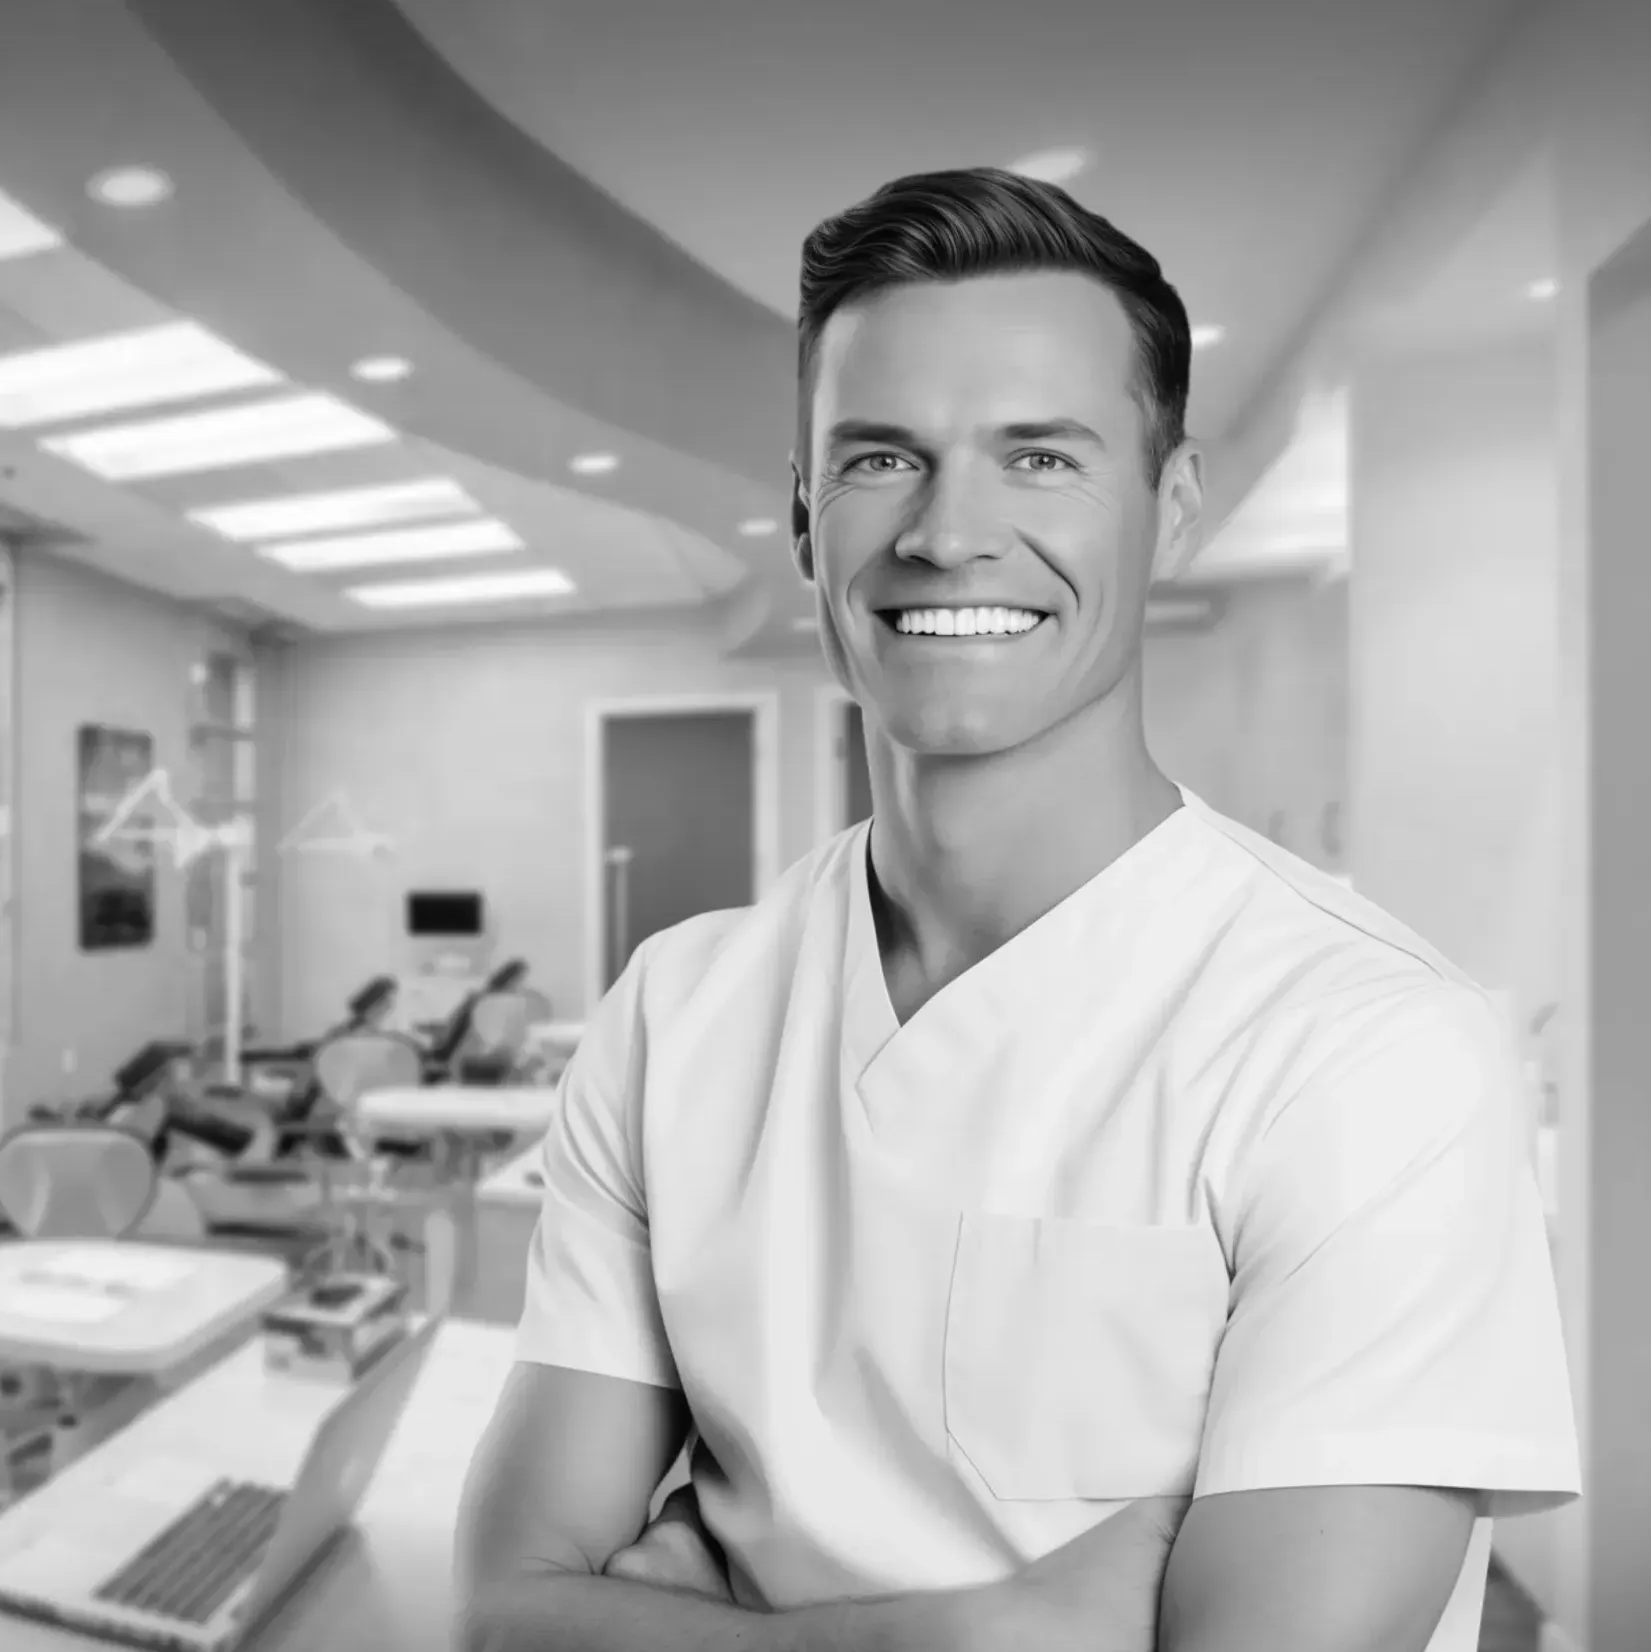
x: 949, y: 226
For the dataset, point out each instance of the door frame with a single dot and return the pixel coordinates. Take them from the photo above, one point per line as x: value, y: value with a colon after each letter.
x: 831, y: 764
x: 764, y: 705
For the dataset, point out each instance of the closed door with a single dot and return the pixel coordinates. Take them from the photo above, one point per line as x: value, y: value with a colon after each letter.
x: 679, y: 790
x: 857, y: 778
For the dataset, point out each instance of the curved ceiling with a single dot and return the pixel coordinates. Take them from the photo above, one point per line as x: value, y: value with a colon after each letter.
x: 1248, y: 145
x: 581, y: 222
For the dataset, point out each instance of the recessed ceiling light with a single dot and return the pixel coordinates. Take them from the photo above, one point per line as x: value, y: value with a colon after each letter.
x: 464, y: 590
x: 122, y: 371
x: 130, y: 186
x: 368, y: 550
x: 1546, y: 288
x: 754, y: 527
x: 1053, y: 166
x: 337, y: 510
x: 594, y: 464
x: 214, y: 441
x: 381, y: 369
x: 21, y: 233
x: 1207, y: 334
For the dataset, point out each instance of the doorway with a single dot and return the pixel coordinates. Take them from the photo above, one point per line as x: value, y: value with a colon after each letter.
x: 8, y: 973
x: 843, y: 783
x: 683, y: 801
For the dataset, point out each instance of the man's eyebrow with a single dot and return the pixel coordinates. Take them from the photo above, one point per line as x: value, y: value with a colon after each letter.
x: 869, y: 430
x: 1037, y: 430
x: 1050, y: 430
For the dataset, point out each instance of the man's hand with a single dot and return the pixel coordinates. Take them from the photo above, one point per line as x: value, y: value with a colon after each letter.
x: 1103, y: 1588
x: 676, y: 1551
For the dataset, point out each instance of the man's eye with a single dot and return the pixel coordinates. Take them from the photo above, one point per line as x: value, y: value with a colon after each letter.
x: 870, y: 461
x: 1057, y: 462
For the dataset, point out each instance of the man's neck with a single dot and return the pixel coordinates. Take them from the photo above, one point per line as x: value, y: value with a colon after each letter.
x: 966, y: 853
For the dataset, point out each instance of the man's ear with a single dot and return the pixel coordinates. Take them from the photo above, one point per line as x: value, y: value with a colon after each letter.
x: 803, y: 553
x: 1181, y: 513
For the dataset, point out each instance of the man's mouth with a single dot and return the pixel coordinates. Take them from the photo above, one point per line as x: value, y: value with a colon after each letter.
x: 962, y: 622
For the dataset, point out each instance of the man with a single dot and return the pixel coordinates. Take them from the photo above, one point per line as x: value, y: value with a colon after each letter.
x: 1048, y: 1152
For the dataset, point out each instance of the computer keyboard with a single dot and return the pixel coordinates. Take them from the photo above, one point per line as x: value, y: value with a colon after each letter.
x: 192, y: 1568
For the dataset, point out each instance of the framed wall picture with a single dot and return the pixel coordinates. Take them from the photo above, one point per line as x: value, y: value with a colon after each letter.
x: 117, y: 880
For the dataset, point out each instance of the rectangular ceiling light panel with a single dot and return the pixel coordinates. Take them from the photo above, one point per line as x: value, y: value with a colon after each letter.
x: 121, y: 371
x: 465, y: 590
x: 281, y: 429
x: 338, y: 511
x: 367, y: 550
x: 21, y: 233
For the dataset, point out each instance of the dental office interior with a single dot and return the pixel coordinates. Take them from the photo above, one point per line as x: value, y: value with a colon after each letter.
x: 399, y: 626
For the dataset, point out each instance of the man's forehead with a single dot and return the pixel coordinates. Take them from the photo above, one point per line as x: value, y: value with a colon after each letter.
x: 1013, y: 347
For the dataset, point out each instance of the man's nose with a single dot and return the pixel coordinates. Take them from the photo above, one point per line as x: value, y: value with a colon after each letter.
x: 959, y: 519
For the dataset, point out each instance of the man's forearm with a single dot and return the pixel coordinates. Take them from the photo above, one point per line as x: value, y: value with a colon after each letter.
x: 1098, y: 1593
x: 573, y: 1612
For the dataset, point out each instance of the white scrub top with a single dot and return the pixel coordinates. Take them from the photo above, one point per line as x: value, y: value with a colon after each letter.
x: 1213, y: 1178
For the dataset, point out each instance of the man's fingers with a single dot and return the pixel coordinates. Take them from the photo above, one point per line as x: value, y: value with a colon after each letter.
x: 671, y: 1558
x: 632, y: 1563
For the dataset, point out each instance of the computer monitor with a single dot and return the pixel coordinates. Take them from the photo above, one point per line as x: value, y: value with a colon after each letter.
x: 440, y: 914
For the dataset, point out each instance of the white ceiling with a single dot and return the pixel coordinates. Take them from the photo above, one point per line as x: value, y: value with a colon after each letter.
x: 616, y: 555
x: 347, y: 184
x: 1247, y: 145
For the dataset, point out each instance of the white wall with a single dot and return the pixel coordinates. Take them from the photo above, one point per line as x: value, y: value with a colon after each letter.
x: 1253, y: 716
x: 1613, y: 1221
x: 467, y: 746
x: 1454, y: 651
x: 1454, y: 655
x: 92, y: 650
x: 1569, y: 85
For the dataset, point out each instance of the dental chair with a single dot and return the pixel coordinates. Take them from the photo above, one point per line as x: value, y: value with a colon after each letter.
x: 498, y: 1035
x: 76, y: 1179
x: 448, y: 1048
x: 366, y: 1010
x: 208, y: 1146
x: 265, y: 1144
x: 64, y: 1179
x: 137, y: 1107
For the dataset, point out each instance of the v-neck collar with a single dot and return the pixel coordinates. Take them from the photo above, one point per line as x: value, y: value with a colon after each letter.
x: 982, y: 1005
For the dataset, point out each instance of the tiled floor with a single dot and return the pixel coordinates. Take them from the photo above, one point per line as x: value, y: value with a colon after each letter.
x: 1509, y: 1624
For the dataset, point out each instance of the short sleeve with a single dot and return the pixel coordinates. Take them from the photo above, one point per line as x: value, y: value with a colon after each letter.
x: 1393, y: 1319
x: 590, y: 1302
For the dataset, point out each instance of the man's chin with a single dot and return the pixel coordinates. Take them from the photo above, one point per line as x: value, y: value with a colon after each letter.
x: 954, y: 732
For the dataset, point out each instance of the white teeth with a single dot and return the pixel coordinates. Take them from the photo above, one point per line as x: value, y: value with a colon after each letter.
x: 965, y: 622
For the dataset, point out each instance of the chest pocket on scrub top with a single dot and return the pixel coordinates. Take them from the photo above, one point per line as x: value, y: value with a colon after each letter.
x: 1078, y: 1357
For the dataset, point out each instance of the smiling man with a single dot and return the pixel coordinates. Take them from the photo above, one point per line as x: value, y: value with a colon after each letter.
x: 1049, y: 1152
